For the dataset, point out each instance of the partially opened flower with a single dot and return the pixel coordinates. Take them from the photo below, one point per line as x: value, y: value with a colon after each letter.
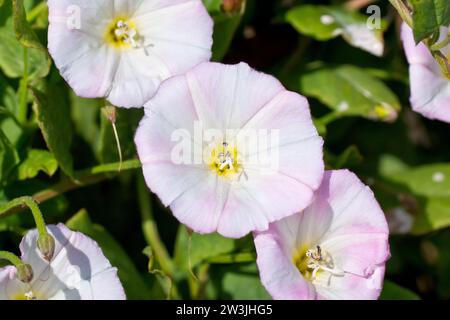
x: 229, y: 149
x: 335, y: 249
x: 77, y: 271
x: 123, y: 49
x: 430, y: 88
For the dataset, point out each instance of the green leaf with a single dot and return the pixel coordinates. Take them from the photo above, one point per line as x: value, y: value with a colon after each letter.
x: 54, y: 121
x: 130, y: 277
x: 392, y: 291
x: 434, y: 215
x: 428, y: 180
x: 429, y: 184
x: 327, y: 22
x: 236, y: 282
x: 351, y: 91
x: 428, y: 16
x: 36, y: 161
x: 86, y: 118
x: 9, y: 105
x: 202, y: 248
x: 16, y: 35
x: 8, y: 157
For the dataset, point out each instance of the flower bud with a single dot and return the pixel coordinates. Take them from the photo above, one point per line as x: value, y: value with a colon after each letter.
x: 110, y: 113
x: 24, y: 273
x: 231, y: 6
x: 46, y: 245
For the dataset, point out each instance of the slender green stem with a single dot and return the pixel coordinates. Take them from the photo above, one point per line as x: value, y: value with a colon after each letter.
x: 119, y: 148
x: 441, y: 45
x: 30, y: 203
x: 11, y: 257
x: 150, y: 229
x: 23, y: 90
x: 329, y: 117
x: 82, y: 178
x: 151, y: 235
x: 403, y: 11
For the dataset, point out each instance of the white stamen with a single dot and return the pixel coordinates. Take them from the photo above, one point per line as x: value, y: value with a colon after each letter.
x: 128, y: 34
x: 30, y: 295
x: 226, y: 160
x: 319, y: 260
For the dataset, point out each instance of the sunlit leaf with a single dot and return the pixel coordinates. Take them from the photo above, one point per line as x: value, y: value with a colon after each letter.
x: 328, y: 22
x: 202, y: 247
x: 351, y: 91
x: 36, y: 161
x: 428, y: 16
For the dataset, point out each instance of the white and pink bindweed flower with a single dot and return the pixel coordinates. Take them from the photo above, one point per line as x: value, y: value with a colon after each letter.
x: 335, y: 249
x: 77, y: 271
x: 430, y: 87
x: 123, y: 49
x: 229, y: 149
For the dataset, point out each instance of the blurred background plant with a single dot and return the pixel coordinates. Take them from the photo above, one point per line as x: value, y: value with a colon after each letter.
x: 61, y: 149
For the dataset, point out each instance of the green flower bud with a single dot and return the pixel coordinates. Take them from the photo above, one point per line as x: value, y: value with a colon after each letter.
x: 231, y: 6
x: 24, y: 273
x: 46, y: 245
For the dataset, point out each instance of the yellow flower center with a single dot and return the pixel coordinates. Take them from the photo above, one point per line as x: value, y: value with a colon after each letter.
x: 223, y: 160
x: 122, y: 34
x: 30, y: 295
x: 314, y: 262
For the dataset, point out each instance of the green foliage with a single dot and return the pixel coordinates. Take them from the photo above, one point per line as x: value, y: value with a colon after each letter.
x: 354, y: 92
x: 61, y: 149
x: 8, y: 157
x: 392, y: 291
x: 53, y: 117
x: 201, y: 248
x: 327, y: 22
x: 428, y: 16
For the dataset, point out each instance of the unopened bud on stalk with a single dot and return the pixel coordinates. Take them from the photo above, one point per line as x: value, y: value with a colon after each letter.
x: 110, y: 113
x: 46, y: 245
x: 231, y: 6
x: 24, y: 273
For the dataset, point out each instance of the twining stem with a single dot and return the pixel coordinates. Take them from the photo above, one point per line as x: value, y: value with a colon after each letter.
x: 151, y: 235
x: 329, y: 117
x: 441, y: 45
x: 82, y: 178
x: 150, y: 229
x: 30, y: 203
x: 23, y: 91
x: 11, y: 257
x: 403, y: 11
